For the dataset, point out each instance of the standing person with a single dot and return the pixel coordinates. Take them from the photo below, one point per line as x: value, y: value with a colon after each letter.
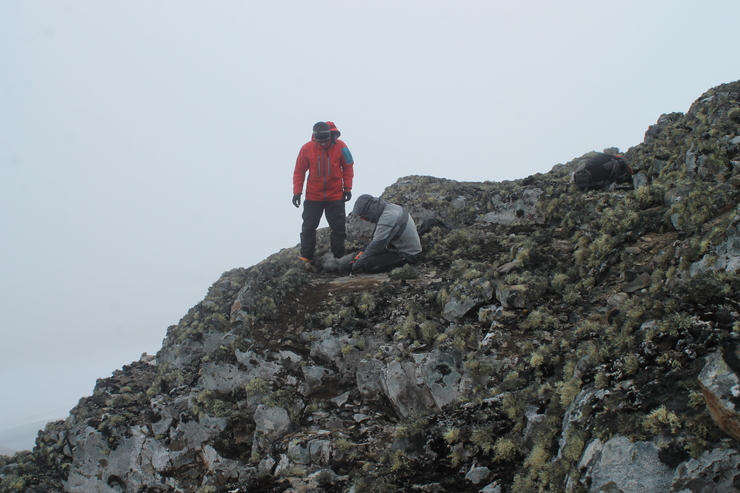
x: 395, y: 240
x: 330, y: 172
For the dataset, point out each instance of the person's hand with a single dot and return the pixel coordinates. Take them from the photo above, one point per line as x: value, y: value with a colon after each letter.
x: 347, y: 196
x: 297, y: 200
x: 352, y: 262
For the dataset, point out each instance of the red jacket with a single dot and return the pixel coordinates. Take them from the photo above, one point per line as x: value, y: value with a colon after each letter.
x: 330, y: 170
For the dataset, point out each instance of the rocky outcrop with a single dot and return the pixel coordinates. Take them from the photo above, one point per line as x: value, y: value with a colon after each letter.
x: 549, y: 340
x: 635, y: 467
x: 516, y: 209
x: 720, y: 386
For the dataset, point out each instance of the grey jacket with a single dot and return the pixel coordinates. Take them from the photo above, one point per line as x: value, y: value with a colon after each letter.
x: 395, y: 229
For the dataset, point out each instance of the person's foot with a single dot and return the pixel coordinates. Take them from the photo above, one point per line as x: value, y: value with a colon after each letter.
x: 307, y: 264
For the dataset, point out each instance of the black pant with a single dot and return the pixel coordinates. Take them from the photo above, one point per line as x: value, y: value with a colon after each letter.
x: 335, y: 216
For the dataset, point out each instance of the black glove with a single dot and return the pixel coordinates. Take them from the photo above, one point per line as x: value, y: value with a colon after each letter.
x: 297, y: 200
x: 347, y: 196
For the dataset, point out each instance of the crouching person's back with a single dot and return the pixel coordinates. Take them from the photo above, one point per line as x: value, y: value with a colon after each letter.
x: 395, y: 240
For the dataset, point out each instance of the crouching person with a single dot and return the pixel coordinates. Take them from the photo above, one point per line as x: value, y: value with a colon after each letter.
x: 395, y: 240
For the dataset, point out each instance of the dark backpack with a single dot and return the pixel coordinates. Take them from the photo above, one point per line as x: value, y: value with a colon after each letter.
x: 600, y: 171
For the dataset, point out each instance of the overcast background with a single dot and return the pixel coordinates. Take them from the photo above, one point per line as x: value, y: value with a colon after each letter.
x: 148, y: 146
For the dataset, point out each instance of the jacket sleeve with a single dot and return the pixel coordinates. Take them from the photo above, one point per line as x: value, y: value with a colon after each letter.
x: 299, y: 173
x: 348, y: 169
x: 384, y: 232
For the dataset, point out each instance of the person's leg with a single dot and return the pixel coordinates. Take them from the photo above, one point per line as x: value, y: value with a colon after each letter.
x: 332, y: 264
x: 383, y: 262
x: 337, y: 218
x: 312, y: 211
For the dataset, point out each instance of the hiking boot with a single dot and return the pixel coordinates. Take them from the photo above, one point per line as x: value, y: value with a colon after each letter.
x: 307, y: 264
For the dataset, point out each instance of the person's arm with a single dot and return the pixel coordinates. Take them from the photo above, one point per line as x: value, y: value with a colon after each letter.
x: 348, y: 172
x: 299, y: 173
x: 384, y: 232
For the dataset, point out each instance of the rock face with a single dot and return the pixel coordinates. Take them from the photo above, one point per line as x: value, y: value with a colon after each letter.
x: 549, y: 340
x: 721, y: 388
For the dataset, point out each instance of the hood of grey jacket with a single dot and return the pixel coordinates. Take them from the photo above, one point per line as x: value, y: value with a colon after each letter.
x: 369, y: 207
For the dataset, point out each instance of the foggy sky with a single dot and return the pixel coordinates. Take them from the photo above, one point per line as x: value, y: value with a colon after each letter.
x: 147, y: 147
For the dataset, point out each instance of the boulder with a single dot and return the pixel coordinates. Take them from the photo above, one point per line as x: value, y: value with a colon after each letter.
x: 243, y: 306
x: 720, y: 386
x: 465, y: 296
x: 634, y: 467
x: 271, y: 424
x: 407, y: 397
x: 516, y: 209
x: 715, y: 470
x: 439, y: 372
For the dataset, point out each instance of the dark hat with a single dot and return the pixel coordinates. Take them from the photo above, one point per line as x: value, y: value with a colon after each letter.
x: 321, y: 131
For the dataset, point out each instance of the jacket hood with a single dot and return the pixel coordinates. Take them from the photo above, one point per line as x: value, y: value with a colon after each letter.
x: 369, y: 207
x: 334, y: 131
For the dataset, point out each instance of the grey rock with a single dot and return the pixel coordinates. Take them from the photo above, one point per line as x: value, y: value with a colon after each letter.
x: 675, y: 195
x: 257, y: 365
x: 639, y: 180
x: 510, y: 267
x: 459, y: 202
x: 162, y: 406
x: 725, y: 256
x: 289, y: 359
x: 692, y: 162
x: 340, y: 400
x: 189, y: 350
x: 192, y: 434
x: 135, y: 463
x: 641, y: 282
x: 271, y: 424
x: 326, y: 346
x: 715, y: 470
x: 313, y: 378
x: 407, y: 397
x: 477, y: 475
x: 631, y: 467
x: 370, y: 376
x: 88, y: 446
x: 720, y: 386
x: 298, y: 452
x: 535, y: 421
x: 320, y: 451
x: 511, y: 296
x: 634, y: 467
x: 465, y: 296
x: 617, y: 299
x: 492, y: 488
x: 654, y: 130
x: 243, y: 306
x: 224, y: 468
x: 515, y: 210
x: 266, y: 465
x: 574, y: 414
x: 222, y: 377
x: 283, y: 465
x: 440, y: 374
